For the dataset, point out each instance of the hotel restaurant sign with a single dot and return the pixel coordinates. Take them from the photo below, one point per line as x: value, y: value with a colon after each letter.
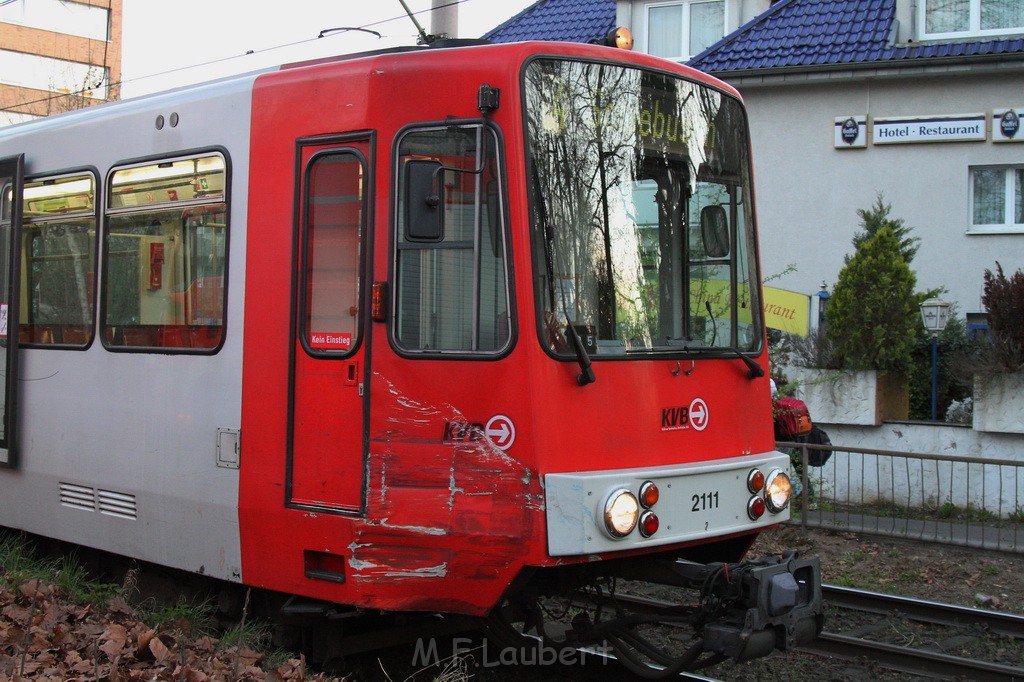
x: 851, y: 132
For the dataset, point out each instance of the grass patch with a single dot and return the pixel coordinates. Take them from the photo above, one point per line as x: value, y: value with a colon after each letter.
x: 195, y: 618
x: 21, y: 562
x: 253, y: 635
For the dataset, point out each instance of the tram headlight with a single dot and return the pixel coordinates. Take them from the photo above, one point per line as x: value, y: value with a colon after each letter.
x: 776, y: 491
x: 621, y: 512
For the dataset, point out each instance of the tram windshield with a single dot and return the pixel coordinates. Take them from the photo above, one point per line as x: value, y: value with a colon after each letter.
x: 642, y: 215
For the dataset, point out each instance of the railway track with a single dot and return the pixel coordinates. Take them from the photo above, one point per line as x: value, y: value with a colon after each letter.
x: 935, y: 640
x: 921, y: 637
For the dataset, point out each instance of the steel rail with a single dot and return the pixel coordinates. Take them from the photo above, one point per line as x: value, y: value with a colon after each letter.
x: 936, y: 664
x: 893, y: 657
x: 1009, y: 624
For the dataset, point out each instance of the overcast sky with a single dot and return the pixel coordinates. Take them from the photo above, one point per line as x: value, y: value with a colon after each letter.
x: 161, y: 40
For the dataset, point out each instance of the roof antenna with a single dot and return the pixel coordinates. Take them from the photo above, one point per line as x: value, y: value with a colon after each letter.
x: 424, y: 38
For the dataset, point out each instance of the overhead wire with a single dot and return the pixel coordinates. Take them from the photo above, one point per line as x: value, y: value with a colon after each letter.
x: 118, y: 84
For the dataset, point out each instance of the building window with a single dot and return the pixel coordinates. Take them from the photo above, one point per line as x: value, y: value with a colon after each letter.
x: 997, y: 198
x: 165, y: 255
x: 680, y: 30
x: 58, y: 16
x: 53, y: 75
x: 960, y: 18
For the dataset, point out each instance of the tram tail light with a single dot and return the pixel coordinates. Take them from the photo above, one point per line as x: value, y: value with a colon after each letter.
x: 649, y: 494
x: 755, y: 480
x: 649, y: 524
x: 755, y: 508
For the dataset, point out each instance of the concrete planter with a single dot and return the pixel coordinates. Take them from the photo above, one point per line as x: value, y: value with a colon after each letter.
x: 863, y: 397
x: 999, y: 402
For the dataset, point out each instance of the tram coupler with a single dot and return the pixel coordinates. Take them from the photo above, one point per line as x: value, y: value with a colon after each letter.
x: 756, y: 607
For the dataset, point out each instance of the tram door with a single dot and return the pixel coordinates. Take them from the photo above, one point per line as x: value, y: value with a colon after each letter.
x: 327, y: 403
x: 11, y: 170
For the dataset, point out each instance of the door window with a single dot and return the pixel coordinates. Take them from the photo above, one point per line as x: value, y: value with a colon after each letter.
x: 334, y: 213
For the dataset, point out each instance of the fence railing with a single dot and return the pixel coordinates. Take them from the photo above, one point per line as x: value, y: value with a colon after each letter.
x: 970, y: 501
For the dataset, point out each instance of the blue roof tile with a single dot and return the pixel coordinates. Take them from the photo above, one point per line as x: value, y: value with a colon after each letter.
x: 839, y: 32
x: 790, y: 34
x: 576, y: 21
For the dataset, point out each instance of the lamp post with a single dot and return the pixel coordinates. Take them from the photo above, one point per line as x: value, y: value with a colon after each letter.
x: 935, y: 314
x: 822, y: 304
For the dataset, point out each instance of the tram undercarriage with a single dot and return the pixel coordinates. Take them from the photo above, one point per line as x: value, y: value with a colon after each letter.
x: 659, y: 618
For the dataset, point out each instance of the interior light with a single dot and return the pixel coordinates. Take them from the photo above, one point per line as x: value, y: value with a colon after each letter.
x: 621, y: 513
x: 49, y: 188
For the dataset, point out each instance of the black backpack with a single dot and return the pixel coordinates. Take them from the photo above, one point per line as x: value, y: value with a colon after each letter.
x: 817, y: 436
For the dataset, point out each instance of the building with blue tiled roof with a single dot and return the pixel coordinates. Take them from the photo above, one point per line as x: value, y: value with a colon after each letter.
x: 916, y: 101
x: 562, y: 20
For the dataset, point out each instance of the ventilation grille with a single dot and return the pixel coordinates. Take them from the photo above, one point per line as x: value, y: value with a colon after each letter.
x: 77, y: 496
x: 109, y: 502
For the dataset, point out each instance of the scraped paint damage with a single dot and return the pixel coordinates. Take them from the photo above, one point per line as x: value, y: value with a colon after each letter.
x: 441, y: 510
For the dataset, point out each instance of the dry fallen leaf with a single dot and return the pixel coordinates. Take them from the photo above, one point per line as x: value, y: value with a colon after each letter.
x: 159, y: 650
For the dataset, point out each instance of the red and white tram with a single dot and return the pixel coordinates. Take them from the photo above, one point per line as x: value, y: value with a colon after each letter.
x: 422, y: 330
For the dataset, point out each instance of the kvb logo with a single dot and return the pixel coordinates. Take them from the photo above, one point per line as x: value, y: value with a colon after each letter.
x: 673, y: 418
x: 694, y: 415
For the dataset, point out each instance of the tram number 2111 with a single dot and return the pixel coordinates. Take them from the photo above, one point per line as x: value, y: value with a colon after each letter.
x: 704, y: 501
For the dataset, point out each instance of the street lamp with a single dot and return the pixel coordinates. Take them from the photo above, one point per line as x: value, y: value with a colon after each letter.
x: 935, y: 314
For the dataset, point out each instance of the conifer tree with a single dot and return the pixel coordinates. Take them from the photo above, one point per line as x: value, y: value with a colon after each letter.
x: 875, y: 218
x: 873, y: 317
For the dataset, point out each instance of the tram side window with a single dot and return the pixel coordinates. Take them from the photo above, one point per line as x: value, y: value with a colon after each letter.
x: 58, y: 261
x: 451, y: 273
x: 165, y: 251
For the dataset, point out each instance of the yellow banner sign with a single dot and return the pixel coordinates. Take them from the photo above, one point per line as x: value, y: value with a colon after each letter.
x: 787, y: 311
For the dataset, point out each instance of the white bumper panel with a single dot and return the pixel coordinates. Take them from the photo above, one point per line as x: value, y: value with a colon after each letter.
x: 698, y: 500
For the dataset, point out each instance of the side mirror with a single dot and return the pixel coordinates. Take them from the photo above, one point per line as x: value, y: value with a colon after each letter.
x: 424, y: 201
x: 714, y: 231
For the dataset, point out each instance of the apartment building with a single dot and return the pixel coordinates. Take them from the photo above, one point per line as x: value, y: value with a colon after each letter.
x: 914, y: 101
x: 57, y: 55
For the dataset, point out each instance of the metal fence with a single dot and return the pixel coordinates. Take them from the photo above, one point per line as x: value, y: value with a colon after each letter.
x: 970, y: 501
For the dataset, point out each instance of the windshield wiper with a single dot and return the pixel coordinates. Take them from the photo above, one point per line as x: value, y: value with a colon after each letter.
x: 754, y: 370
x: 586, y: 375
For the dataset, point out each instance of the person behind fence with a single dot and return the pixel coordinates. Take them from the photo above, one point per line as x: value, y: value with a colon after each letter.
x: 793, y: 423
